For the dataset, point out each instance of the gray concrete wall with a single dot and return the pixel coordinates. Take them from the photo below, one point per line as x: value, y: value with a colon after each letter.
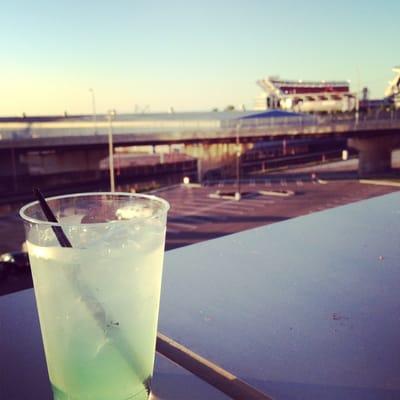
x: 56, y: 161
x: 375, y: 153
x: 215, y: 155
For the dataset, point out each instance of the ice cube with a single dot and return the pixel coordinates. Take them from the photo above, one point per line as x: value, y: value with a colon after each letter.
x: 134, y: 211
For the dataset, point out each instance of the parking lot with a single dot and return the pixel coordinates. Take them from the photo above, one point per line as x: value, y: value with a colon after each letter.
x: 195, y: 216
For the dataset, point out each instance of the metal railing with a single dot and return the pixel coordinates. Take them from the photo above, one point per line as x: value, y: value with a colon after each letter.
x: 203, y: 127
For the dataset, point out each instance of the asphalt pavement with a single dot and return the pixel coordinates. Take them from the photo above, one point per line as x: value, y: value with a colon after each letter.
x: 198, y: 214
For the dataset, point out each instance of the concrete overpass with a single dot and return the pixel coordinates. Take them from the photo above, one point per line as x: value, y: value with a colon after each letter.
x: 373, y: 138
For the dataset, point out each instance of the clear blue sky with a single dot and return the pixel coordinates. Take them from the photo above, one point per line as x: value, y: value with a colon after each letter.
x: 192, y: 55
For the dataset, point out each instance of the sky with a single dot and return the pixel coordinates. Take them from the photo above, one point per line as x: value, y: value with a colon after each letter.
x: 190, y: 55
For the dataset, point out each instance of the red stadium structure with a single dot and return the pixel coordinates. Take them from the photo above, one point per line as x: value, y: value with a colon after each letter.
x: 305, y: 96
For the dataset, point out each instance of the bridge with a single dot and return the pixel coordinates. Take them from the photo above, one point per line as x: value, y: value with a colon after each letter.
x: 211, y: 137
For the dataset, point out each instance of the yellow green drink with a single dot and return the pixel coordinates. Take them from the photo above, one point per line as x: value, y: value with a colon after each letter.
x: 98, y: 300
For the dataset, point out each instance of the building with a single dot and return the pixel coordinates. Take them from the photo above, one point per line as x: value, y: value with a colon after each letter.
x: 305, y: 96
x: 393, y: 90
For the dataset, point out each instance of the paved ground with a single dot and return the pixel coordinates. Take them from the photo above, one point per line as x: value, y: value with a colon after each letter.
x: 194, y: 216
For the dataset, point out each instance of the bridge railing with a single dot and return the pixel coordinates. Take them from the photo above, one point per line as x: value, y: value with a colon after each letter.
x: 203, y: 127
x: 315, y: 124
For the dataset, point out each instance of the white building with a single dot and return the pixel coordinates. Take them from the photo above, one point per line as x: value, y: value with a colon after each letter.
x: 305, y: 96
x: 393, y: 89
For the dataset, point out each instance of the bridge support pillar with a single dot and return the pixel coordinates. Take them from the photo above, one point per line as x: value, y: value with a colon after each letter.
x: 375, y: 154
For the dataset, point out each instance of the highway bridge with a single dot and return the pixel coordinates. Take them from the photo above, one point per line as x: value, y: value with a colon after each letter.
x: 184, y: 128
x: 213, y: 138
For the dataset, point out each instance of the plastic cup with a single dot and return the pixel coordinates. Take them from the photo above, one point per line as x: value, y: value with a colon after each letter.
x: 98, y: 300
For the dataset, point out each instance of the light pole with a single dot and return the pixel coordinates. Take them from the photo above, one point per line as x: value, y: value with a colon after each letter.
x: 110, y: 116
x: 94, y: 110
x: 238, y: 152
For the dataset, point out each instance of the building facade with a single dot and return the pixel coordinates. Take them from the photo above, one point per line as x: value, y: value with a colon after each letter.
x: 305, y: 96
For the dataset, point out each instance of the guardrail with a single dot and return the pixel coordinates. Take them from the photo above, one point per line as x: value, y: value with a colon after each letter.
x: 205, y: 128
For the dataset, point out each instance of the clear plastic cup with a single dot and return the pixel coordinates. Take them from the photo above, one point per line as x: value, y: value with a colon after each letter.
x: 98, y: 300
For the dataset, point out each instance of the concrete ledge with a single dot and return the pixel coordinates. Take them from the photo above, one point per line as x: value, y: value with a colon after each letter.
x: 228, y: 195
x: 238, y: 196
x: 380, y: 182
x: 279, y: 193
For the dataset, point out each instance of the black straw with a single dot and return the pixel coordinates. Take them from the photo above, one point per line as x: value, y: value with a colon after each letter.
x: 61, y: 236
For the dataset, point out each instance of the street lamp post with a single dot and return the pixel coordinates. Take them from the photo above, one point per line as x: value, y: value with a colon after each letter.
x: 110, y: 116
x: 94, y: 110
x: 238, y: 152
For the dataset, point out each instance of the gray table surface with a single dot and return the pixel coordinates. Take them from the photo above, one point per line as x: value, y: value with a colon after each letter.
x: 303, y: 309
x: 23, y: 373
x: 308, y: 308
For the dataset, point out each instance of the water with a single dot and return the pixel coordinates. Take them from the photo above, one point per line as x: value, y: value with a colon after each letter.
x: 98, y: 308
